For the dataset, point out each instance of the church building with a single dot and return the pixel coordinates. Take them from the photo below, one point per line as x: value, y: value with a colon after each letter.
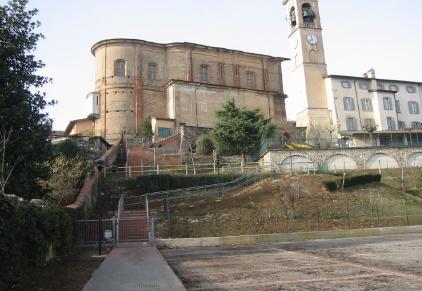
x: 179, y: 84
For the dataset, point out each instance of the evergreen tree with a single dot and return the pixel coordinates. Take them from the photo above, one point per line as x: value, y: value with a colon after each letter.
x: 240, y: 130
x: 22, y: 103
x: 146, y: 129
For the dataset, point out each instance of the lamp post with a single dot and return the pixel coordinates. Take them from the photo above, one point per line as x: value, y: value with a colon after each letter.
x: 99, y: 164
x: 218, y: 177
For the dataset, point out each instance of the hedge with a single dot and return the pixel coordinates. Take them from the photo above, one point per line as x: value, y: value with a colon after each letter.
x: 27, y: 232
x: 350, y: 181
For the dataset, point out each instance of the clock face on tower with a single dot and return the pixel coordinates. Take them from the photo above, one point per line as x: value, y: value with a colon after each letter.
x: 312, y: 39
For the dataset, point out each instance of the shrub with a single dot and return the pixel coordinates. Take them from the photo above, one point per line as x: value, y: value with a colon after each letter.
x: 204, y: 145
x: 67, y: 148
x: 66, y: 178
x: 26, y: 234
x: 350, y: 181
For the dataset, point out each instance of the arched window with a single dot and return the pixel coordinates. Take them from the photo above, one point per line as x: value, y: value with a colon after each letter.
x: 152, y: 71
x: 251, y: 79
x: 293, y: 20
x: 120, y: 68
x: 308, y: 13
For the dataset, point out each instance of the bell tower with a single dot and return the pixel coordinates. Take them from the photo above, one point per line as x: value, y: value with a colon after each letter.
x: 309, y: 67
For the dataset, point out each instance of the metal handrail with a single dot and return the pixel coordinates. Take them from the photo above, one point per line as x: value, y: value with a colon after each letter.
x: 166, y: 193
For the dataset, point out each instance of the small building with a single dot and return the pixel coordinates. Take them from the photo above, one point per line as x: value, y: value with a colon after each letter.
x: 81, y: 127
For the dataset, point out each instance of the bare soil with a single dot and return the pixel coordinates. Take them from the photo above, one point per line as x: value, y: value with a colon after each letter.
x: 69, y: 273
x: 299, y: 203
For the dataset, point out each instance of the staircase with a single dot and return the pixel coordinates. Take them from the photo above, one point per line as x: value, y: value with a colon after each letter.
x: 134, y: 221
x: 133, y: 226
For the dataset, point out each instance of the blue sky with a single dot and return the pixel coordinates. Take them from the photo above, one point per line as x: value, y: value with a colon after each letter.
x: 358, y: 35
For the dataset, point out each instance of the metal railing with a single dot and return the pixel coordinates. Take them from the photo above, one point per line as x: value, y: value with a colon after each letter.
x: 166, y: 198
x: 186, y: 169
x: 86, y: 232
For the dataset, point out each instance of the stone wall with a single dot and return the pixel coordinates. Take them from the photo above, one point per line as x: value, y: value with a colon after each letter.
x: 338, y: 159
x: 190, y: 134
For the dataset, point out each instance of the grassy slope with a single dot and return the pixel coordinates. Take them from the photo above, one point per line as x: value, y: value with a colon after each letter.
x: 300, y: 203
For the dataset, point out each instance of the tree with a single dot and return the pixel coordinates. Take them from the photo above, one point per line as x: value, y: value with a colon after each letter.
x: 66, y: 177
x: 240, y: 130
x: 204, y: 145
x: 22, y: 104
x: 146, y: 129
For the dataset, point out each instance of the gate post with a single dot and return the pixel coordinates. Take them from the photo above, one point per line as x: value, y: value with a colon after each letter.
x: 117, y: 230
x: 114, y: 231
x: 151, y: 234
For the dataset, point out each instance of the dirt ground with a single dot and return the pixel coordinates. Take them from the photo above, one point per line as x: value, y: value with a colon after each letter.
x: 376, y: 263
x: 65, y: 274
x: 288, y: 203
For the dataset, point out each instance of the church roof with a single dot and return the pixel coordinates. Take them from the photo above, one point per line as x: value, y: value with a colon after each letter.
x: 185, y: 44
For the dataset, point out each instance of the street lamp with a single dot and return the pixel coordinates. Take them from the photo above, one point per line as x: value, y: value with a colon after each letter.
x: 99, y: 164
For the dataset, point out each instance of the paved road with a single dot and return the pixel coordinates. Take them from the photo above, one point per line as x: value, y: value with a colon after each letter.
x: 375, y: 263
x: 133, y: 267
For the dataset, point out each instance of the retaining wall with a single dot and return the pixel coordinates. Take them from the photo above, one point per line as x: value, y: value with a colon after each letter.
x: 338, y: 159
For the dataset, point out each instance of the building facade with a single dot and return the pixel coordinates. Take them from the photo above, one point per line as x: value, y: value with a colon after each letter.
x: 370, y: 111
x: 346, y: 110
x: 179, y: 83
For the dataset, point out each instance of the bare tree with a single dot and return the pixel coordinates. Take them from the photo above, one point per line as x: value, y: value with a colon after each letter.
x: 5, y: 169
x: 371, y: 129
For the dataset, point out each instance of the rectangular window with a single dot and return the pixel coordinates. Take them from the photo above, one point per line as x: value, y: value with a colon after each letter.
x: 402, y: 124
x: 394, y: 87
x: 152, y: 71
x: 204, y: 73
x: 351, y: 124
x: 349, y: 103
x: 388, y: 104
x: 120, y: 68
x: 164, y: 132
x: 416, y: 125
x: 221, y: 71
x: 251, y: 79
x: 380, y: 86
x: 364, y: 85
x: 367, y: 105
x: 391, y: 123
x: 414, y: 107
x: 411, y: 89
x: 346, y: 84
x: 398, y: 109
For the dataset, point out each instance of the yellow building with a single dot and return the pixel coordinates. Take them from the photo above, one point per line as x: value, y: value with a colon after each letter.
x: 179, y: 84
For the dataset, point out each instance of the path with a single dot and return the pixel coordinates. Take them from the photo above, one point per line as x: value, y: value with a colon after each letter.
x: 372, y: 263
x: 132, y: 267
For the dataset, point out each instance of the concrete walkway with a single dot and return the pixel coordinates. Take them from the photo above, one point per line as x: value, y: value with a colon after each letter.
x: 134, y: 267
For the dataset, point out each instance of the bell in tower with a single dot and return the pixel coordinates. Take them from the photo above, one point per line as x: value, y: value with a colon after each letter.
x: 308, y: 14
